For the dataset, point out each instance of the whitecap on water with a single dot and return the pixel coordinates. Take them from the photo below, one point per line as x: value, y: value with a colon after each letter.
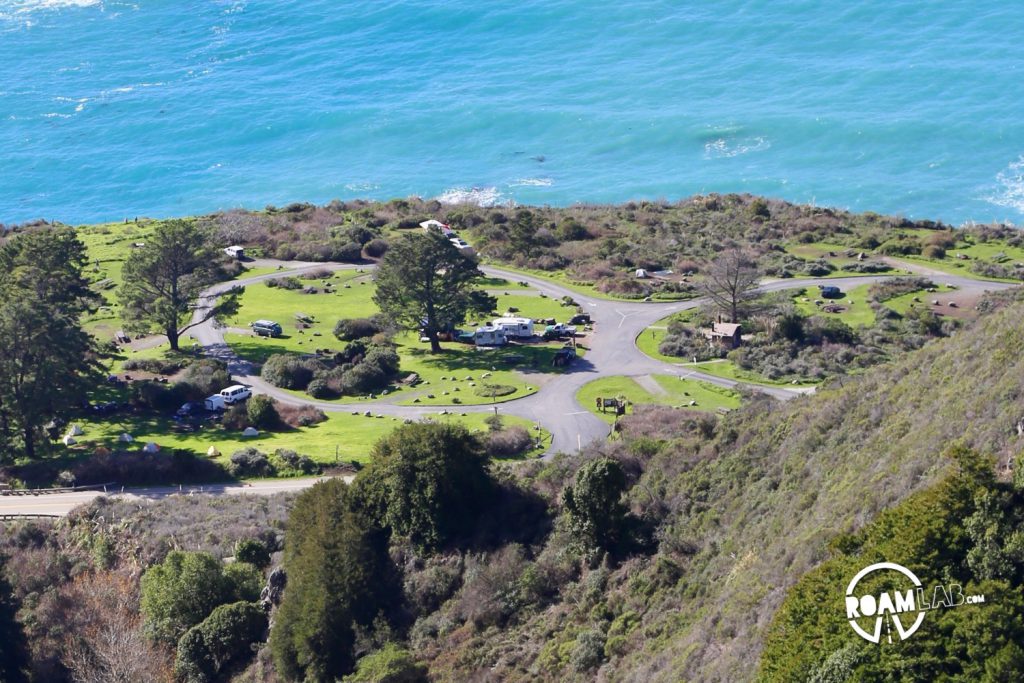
x: 481, y: 196
x: 726, y: 148
x: 1009, y: 191
x: 532, y: 182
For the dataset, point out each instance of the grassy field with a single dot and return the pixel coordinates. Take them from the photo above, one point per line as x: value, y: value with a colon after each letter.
x: 347, y: 437
x: 450, y: 378
x: 671, y: 391
x: 903, y: 303
x: 856, y: 311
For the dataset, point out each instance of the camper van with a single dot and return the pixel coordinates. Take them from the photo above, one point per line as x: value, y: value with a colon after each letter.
x: 235, y: 394
x: 489, y: 336
x: 519, y: 328
x: 266, y: 328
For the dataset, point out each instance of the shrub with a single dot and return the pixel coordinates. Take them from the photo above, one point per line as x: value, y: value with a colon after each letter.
x: 508, y: 442
x: 301, y: 416
x: 262, y: 412
x: 934, y: 251
x: 204, y: 377
x: 252, y: 551
x: 494, y: 390
x: 285, y: 283
x: 321, y: 388
x: 180, y: 592
x: 156, y: 396
x: 356, y: 328
x: 375, y: 248
x: 245, y: 581
x: 250, y: 462
x: 390, y: 664
x: 287, y: 371
x: 157, y: 366
x: 224, y: 637
x: 290, y: 463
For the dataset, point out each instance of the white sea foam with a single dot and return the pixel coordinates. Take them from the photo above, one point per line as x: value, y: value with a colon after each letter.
x: 1009, y: 191
x: 361, y: 187
x: 481, y: 196
x: 726, y: 148
x: 13, y: 8
x: 532, y: 182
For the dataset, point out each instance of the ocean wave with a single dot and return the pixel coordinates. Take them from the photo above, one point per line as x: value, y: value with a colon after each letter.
x: 1010, y: 186
x: 726, y: 148
x: 532, y: 182
x: 481, y: 196
x: 361, y: 187
x: 15, y: 8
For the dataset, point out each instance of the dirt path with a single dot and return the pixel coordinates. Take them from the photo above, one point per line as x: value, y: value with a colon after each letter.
x: 650, y: 385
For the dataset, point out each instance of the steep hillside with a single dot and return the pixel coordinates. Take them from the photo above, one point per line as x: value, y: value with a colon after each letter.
x: 741, y: 515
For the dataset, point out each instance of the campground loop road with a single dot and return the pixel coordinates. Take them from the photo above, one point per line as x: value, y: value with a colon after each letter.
x: 612, y: 352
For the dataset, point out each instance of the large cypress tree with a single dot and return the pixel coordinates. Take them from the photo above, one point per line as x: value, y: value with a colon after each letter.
x: 339, y: 575
x: 46, y: 360
x: 164, y: 278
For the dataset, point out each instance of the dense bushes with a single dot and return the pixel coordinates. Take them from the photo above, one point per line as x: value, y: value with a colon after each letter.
x: 204, y: 377
x: 288, y: 371
x: 359, y: 369
x: 184, y: 589
x: 262, y: 412
x: 426, y: 481
x: 224, y: 637
x: 357, y: 328
x: 252, y: 463
x: 508, y: 442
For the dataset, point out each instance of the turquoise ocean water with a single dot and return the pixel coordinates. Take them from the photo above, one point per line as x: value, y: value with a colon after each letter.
x: 111, y: 109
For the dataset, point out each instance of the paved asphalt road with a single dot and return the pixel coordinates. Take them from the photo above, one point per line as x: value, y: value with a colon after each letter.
x: 613, y: 351
x: 62, y: 503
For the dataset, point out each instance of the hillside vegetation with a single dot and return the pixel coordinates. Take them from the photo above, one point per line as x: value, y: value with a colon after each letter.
x: 743, y: 509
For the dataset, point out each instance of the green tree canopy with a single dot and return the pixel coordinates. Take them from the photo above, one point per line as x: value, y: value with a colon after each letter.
x: 425, y: 282
x: 46, y: 358
x: 596, y: 515
x: 223, y: 638
x: 183, y: 590
x: 164, y: 278
x: 427, y: 481
x: 339, y: 576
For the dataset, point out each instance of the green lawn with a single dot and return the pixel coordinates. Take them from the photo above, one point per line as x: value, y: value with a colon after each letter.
x: 444, y: 376
x: 674, y: 392
x: 901, y: 304
x: 350, y: 436
x: 857, y: 312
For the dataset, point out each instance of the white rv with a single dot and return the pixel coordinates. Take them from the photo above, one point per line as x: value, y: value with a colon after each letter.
x: 519, y: 328
x: 490, y: 336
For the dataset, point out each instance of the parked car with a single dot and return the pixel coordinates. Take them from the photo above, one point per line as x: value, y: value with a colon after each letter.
x: 580, y: 319
x: 459, y: 243
x: 266, y: 328
x: 189, y: 409
x: 558, y: 331
x: 236, y: 394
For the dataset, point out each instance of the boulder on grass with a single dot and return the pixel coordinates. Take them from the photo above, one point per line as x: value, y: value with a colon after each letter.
x: 251, y: 431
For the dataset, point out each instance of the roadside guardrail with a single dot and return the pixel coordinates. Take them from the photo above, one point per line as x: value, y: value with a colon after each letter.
x: 43, y: 492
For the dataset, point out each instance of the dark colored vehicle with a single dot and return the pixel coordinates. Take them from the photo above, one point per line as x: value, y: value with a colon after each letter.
x: 580, y: 319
